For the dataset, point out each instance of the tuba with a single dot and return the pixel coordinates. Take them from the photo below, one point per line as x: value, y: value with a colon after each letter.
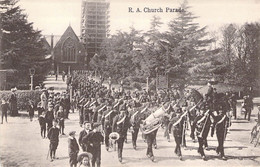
x: 153, y: 121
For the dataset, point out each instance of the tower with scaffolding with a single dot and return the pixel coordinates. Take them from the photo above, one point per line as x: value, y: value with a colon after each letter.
x: 94, y: 24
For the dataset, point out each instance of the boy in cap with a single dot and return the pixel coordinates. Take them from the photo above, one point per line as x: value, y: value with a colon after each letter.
x: 53, y: 136
x: 95, y: 138
x: 60, y: 116
x: 49, y: 116
x: 73, y: 149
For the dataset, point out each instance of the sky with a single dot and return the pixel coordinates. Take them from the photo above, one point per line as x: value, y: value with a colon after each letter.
x: 54, y: 16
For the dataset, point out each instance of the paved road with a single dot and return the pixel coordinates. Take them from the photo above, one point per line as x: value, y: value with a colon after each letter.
x: 21, y: 145
x: 58, y: 85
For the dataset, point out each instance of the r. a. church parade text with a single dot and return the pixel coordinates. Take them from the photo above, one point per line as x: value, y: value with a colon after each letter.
x: 154, y: 10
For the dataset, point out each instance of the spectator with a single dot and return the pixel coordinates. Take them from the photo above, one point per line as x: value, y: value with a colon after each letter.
x: 13, y: 103
x: 73, y: 149
x: 4, y: 109
x: 30, y: 110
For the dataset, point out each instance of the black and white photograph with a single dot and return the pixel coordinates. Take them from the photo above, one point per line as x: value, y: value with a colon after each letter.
x: 129, y: 83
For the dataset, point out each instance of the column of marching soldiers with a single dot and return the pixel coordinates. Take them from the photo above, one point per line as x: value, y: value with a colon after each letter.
x: 112, y: 114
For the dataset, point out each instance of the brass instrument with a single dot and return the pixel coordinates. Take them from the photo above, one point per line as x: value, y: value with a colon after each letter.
x: 114, y: 136
x: 153, y: 121
x: 200, y: 135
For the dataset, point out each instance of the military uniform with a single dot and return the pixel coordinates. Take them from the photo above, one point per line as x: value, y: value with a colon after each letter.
x: 202, y: 123
x: 136, y: 126
x: 221, y: 122
x: 150, y: 137
x: 107, y: 121
x: 120, y: 125
x: 177, y: 133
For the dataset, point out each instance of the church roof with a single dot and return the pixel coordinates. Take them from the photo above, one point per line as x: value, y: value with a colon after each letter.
x: 68, y: 33
x: 56, y: 38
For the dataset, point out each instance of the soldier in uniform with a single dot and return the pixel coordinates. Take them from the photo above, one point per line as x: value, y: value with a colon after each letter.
x: 82, y: 134
x: 221, y: 122
x: 201, y: 133
x: 81, y: 104
x: 95, y: 138
x: 136, y: 121
x: 176, y: 124
x: 120, y: 125
x: 150, y: 137
x: 53, y: 136
x: 106, y: 121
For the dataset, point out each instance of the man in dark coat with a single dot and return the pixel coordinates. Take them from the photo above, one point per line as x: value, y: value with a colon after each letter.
x: 13, y: 103
x: 53, y: 136
x: 120, y: 125
x: 95, y: 138
x: 82, y: 134
x: 73, y: 149
x: 248, y: 105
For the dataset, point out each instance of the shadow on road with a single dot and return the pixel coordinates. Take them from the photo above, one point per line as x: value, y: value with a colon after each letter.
x: 243, y: 157
x: 240, y: 130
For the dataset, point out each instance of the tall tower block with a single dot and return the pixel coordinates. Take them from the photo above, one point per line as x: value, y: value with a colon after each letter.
x: 94, y: 24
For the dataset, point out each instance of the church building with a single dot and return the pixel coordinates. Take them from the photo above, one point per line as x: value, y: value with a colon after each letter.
x: 69, y: 53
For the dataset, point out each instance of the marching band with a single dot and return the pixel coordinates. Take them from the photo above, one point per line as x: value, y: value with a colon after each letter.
x: 120, y: 112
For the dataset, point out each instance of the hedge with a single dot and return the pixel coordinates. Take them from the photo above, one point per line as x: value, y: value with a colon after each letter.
x: 23, y: 96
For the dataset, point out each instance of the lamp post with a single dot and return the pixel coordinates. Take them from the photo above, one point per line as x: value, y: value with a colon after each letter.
x: 100, y: 79
x: 147, y: 84
x: 121, y: 84
x: 109, y: 83
x: 32, y: 72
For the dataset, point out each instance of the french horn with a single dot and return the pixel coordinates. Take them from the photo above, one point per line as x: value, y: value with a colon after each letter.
x: 114, y: 136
